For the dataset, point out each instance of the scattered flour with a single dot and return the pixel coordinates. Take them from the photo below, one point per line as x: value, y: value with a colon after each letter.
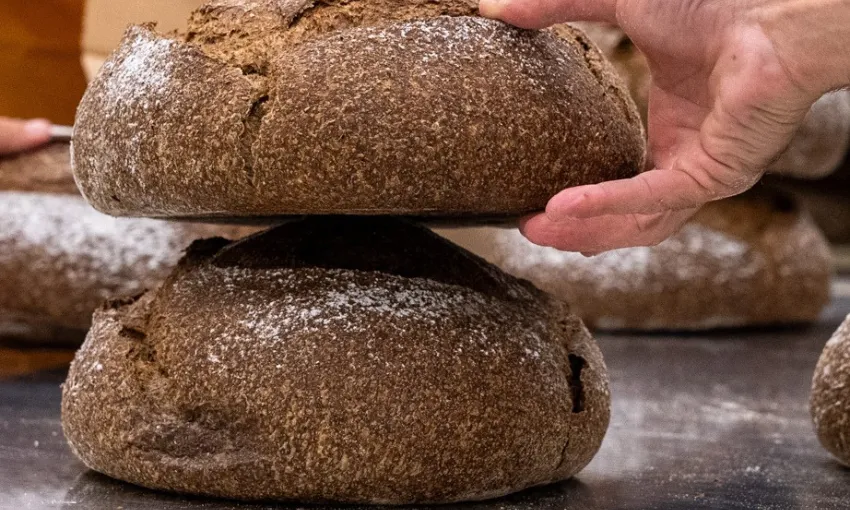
x: 138, y: 79
x: 144, y: 73
x: 309, y: 306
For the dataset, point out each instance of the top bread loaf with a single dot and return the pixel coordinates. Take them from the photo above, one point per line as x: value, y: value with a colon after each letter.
x: 267, y: 108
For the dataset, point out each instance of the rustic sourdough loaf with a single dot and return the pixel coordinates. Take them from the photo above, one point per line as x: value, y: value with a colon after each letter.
x: 60, y: 259
x: 337, y: 359
x: 830, y: 399
x: 745, y: 261
x: 277, y: 107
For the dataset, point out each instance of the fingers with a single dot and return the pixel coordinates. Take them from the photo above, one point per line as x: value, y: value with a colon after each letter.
x: 19, y: 135
x: 705, y: 154
x: 543, y: 13
x: 603, y: 233
x: 651, y: 192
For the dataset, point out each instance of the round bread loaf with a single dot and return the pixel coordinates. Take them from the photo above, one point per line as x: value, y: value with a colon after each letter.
x: 279, y: 107
x: 60, y: 259
x: 819, y: 146
x: 830, y: 400
x: 745, y: 261
x: 337, y: 359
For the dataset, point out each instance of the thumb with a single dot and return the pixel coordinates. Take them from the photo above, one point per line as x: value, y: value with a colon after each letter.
x: 20, y: 135
x: 544, y: 13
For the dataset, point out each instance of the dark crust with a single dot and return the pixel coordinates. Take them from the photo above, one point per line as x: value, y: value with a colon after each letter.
x: 45, y: 169
x: 364, y: 244
x: 203, y: 387
x: 831, y: 394
x: 247, y: 34
x: 434, y: 221
x: 629, y: 63
x: 366, y: 107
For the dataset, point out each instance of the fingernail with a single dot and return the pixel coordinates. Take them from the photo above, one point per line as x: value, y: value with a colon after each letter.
x: 38, y: 128
x: 491, y: 8
x: 559, y: 213
x: 563, y: 210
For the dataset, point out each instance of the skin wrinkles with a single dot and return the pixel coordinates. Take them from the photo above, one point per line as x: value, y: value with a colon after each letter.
x: 732, y: 82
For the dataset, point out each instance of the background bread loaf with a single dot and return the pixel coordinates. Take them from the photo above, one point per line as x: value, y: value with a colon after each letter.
x: 45, y: 170
x: 827, y: 199
x: 751, y: 260
x: 60, y: 259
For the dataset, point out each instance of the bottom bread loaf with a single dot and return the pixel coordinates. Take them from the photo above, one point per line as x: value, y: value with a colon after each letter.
x: 337, y: 359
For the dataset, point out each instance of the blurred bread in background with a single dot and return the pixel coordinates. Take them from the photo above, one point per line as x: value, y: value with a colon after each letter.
x: 60, y: 259
x: 44, y: 170
x: 828, y: 200
x: 752, y: 260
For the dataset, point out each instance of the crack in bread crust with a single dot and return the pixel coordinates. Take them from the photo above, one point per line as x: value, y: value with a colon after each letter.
x: 414, y: 108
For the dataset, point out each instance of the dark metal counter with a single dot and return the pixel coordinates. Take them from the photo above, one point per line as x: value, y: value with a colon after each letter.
x: 701, y: 421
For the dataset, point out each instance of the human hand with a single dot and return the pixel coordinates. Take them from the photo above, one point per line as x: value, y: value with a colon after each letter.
x: 21, y: 135
x: 729, y: 88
